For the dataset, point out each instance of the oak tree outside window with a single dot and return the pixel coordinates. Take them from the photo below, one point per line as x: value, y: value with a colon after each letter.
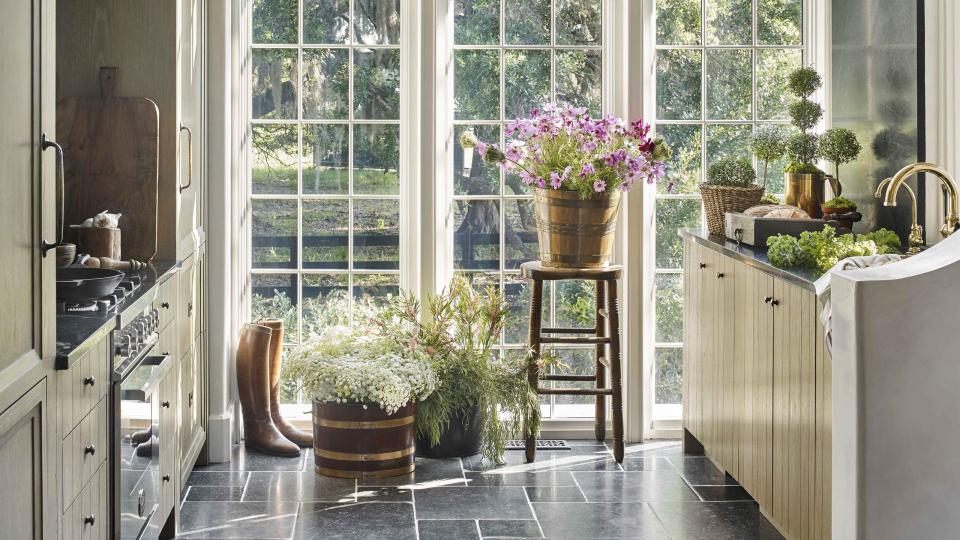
x: 720, y: 74
x: 509, y: 57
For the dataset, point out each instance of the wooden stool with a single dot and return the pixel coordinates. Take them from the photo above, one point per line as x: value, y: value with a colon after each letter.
x: 606, y: 332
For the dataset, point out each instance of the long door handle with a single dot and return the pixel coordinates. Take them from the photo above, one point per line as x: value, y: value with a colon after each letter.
x: 189, y: 157
x: 44, y: 144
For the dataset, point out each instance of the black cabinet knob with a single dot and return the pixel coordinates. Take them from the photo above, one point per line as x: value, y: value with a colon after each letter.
x: 703, y: 265
x: 89, y: 381
x: 767, y: 299
x: 775, y: 302
x: 89, y: 449
x: 89, y: 520
x: 190, y: 400
x: 720, y: 275
x: 166, y: 478
x: 165, y: 305
x: 165, y: 404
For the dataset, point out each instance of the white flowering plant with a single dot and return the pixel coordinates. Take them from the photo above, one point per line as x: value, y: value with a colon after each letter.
x: 356, y: 366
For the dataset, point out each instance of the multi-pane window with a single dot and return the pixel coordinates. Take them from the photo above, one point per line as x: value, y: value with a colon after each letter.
x: 721, y: 67
x: 324, y: 182
x: 509, y: 57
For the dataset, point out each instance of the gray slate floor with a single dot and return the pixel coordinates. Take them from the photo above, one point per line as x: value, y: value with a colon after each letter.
x: 581, y: 493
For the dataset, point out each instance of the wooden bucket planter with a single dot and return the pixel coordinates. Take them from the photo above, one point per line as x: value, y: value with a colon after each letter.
x: 574, y: 232
x: 352, y: 442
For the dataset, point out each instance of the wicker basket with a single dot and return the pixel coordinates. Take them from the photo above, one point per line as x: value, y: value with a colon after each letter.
x: 718, y: 200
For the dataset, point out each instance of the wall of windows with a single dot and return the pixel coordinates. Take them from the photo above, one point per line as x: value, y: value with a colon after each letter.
x: 720, y: 74
x: 324, y: 182
x: 509, y: 57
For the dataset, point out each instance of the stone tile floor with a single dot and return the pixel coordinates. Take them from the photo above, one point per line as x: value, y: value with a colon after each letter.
x: 657, y: 493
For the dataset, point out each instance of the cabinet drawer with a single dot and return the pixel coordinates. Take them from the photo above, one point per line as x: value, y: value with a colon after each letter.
x: 88, y: 518
x: 168, y: 435
x: 83, y: 385
x: 186, y: 307
x: 167, y: 342
x: 167, y: 301
x: 82, y: 452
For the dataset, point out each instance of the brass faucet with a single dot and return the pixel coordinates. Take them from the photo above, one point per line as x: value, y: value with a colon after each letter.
x: 952, y: 218
x: 915, y: 240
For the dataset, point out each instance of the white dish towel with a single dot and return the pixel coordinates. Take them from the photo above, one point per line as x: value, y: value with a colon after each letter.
x: 822, y: 286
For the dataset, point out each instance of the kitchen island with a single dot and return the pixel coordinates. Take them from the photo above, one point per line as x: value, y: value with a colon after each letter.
x: 757, y: 380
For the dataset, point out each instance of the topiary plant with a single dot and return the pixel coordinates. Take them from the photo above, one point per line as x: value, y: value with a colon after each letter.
x: 839, y: 146
x: 732, y: 173
x: 840, y: 203
x: 768, y: 146
x: 803, y: 148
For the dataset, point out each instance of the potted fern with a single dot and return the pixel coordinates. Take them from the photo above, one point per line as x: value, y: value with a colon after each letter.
x: 729, y: 187
x: 481, y: 400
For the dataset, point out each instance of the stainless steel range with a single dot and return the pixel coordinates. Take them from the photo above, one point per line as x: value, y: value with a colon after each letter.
x: 135, y: 427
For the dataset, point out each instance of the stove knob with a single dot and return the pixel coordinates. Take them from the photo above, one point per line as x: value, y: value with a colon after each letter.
x: 123, y: 346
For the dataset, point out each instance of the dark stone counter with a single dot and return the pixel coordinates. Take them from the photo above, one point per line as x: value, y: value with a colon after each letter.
x: 751, y: 255
x: 76, y: 333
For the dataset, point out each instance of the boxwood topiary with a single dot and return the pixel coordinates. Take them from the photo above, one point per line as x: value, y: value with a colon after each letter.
x: 731, y: 172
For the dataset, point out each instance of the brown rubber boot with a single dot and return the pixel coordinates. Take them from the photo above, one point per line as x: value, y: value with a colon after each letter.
x: 296, y: 436
x: 253, y: 383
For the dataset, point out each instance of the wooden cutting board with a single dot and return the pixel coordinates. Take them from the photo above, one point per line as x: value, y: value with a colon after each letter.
x: 111, y: 151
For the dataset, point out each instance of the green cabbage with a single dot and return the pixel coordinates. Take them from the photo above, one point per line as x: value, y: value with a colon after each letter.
x: 821, y: 250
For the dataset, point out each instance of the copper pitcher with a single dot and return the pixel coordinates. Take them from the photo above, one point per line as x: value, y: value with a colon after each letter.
x: 806, y: 191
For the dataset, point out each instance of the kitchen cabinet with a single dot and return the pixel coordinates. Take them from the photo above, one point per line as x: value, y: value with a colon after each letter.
x: 757, y: 386
x: 169, y: 490
x: 28, y: 440
x: 192, y: 435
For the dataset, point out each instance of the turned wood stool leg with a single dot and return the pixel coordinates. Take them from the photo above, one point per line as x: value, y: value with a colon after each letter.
x: 600, y: 424
x: 533, y: 365
x: 613, y: 312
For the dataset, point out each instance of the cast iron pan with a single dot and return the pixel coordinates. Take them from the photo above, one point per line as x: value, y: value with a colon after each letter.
x: 82, y: 283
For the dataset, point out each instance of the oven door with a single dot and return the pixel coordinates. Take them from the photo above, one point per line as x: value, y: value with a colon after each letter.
x: 137, y: 439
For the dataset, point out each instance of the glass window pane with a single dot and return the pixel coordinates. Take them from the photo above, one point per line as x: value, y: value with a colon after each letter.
x: 684, y: 171
x: 526, y: 81
x: 274, y: 232
x: 376, y: 83
x: 780, y: 22
x: 376, y: 234
x: 517, y: 292
x: 679, y: 84
x: 325, y: 21
x: 578, y: 22
x: 520, y: 233
x: 669, y: 375
x: 476, y: 85
x: 483, y: 178
x: 376, y: 22
x: 376, y: 159
x: 671, y: 216
x: 527, y: 22
x: 579, y: 79
x: 325, y: 233
x: 728, y: 140
x: 576, y: 303
x: 273, y: 159
x: 273, y: 84
x: 275, y: 21
x: 576, y: 361
x: 274, y: 296
x: 326, y: 301
x: 775, y: 169
x: 480, y: 280
x: 325, y: 155
x: 730, y: 84
x: 476, y: 22
x: 729, y: 22
x: 476, y: 236
x: 678, y: 22
x: 773, y: 66
x: 326, y: 85
x: 669, y: 307
x: 373, y: 291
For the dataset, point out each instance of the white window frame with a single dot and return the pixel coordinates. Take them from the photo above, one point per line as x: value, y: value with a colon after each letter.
x: 814, y: 50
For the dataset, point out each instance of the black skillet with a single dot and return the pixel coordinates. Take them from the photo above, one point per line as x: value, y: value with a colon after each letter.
x: 77, y: 282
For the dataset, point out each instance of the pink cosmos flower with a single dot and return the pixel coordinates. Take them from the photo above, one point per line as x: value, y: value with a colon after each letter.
x: 482, y: 148
x: 555, y: 181
x: 587, y: 169
x: 599, y: 186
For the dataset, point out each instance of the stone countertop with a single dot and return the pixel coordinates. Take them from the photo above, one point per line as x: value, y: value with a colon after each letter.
x: 77, y: 333
x: 752, y: 255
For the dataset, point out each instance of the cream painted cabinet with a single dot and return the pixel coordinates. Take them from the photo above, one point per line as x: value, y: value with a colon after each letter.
x: 169, y: 483
x: 757, y: 387
x: 192, y: 127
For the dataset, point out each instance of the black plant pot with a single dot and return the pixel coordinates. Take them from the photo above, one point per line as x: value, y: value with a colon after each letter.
x: 455, y: 441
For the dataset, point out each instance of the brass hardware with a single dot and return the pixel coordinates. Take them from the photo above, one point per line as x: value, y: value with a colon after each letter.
x: 89, y: 380
x: 365, y: 474
x: 952, y: 218
x: 575, y: 232
x: 805, y: 191
x: 364, y: 424
x: 90, y: 449
x: 915, y: 240
x: 354, y: 456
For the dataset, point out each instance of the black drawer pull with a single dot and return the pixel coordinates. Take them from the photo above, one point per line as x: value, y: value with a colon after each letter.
x: 703, y: 265
x: 89, y: 381
x: 89, y: 520
x: 767, y: 299
x: 166, y: 478
x: 190, y: 400
x: 165, y: 404
x: 775, y: 303
x: 165, y: 305
x: 720, y: 275
x: 90, y: 449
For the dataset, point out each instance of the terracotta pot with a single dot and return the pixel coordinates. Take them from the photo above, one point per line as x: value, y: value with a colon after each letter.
x: 575, y: 232
x: 350, y: 441
x: 828, y: 214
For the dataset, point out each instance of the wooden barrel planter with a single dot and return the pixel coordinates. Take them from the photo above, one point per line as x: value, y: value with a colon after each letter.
x: 574, y: 232
x: 352, y: 442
